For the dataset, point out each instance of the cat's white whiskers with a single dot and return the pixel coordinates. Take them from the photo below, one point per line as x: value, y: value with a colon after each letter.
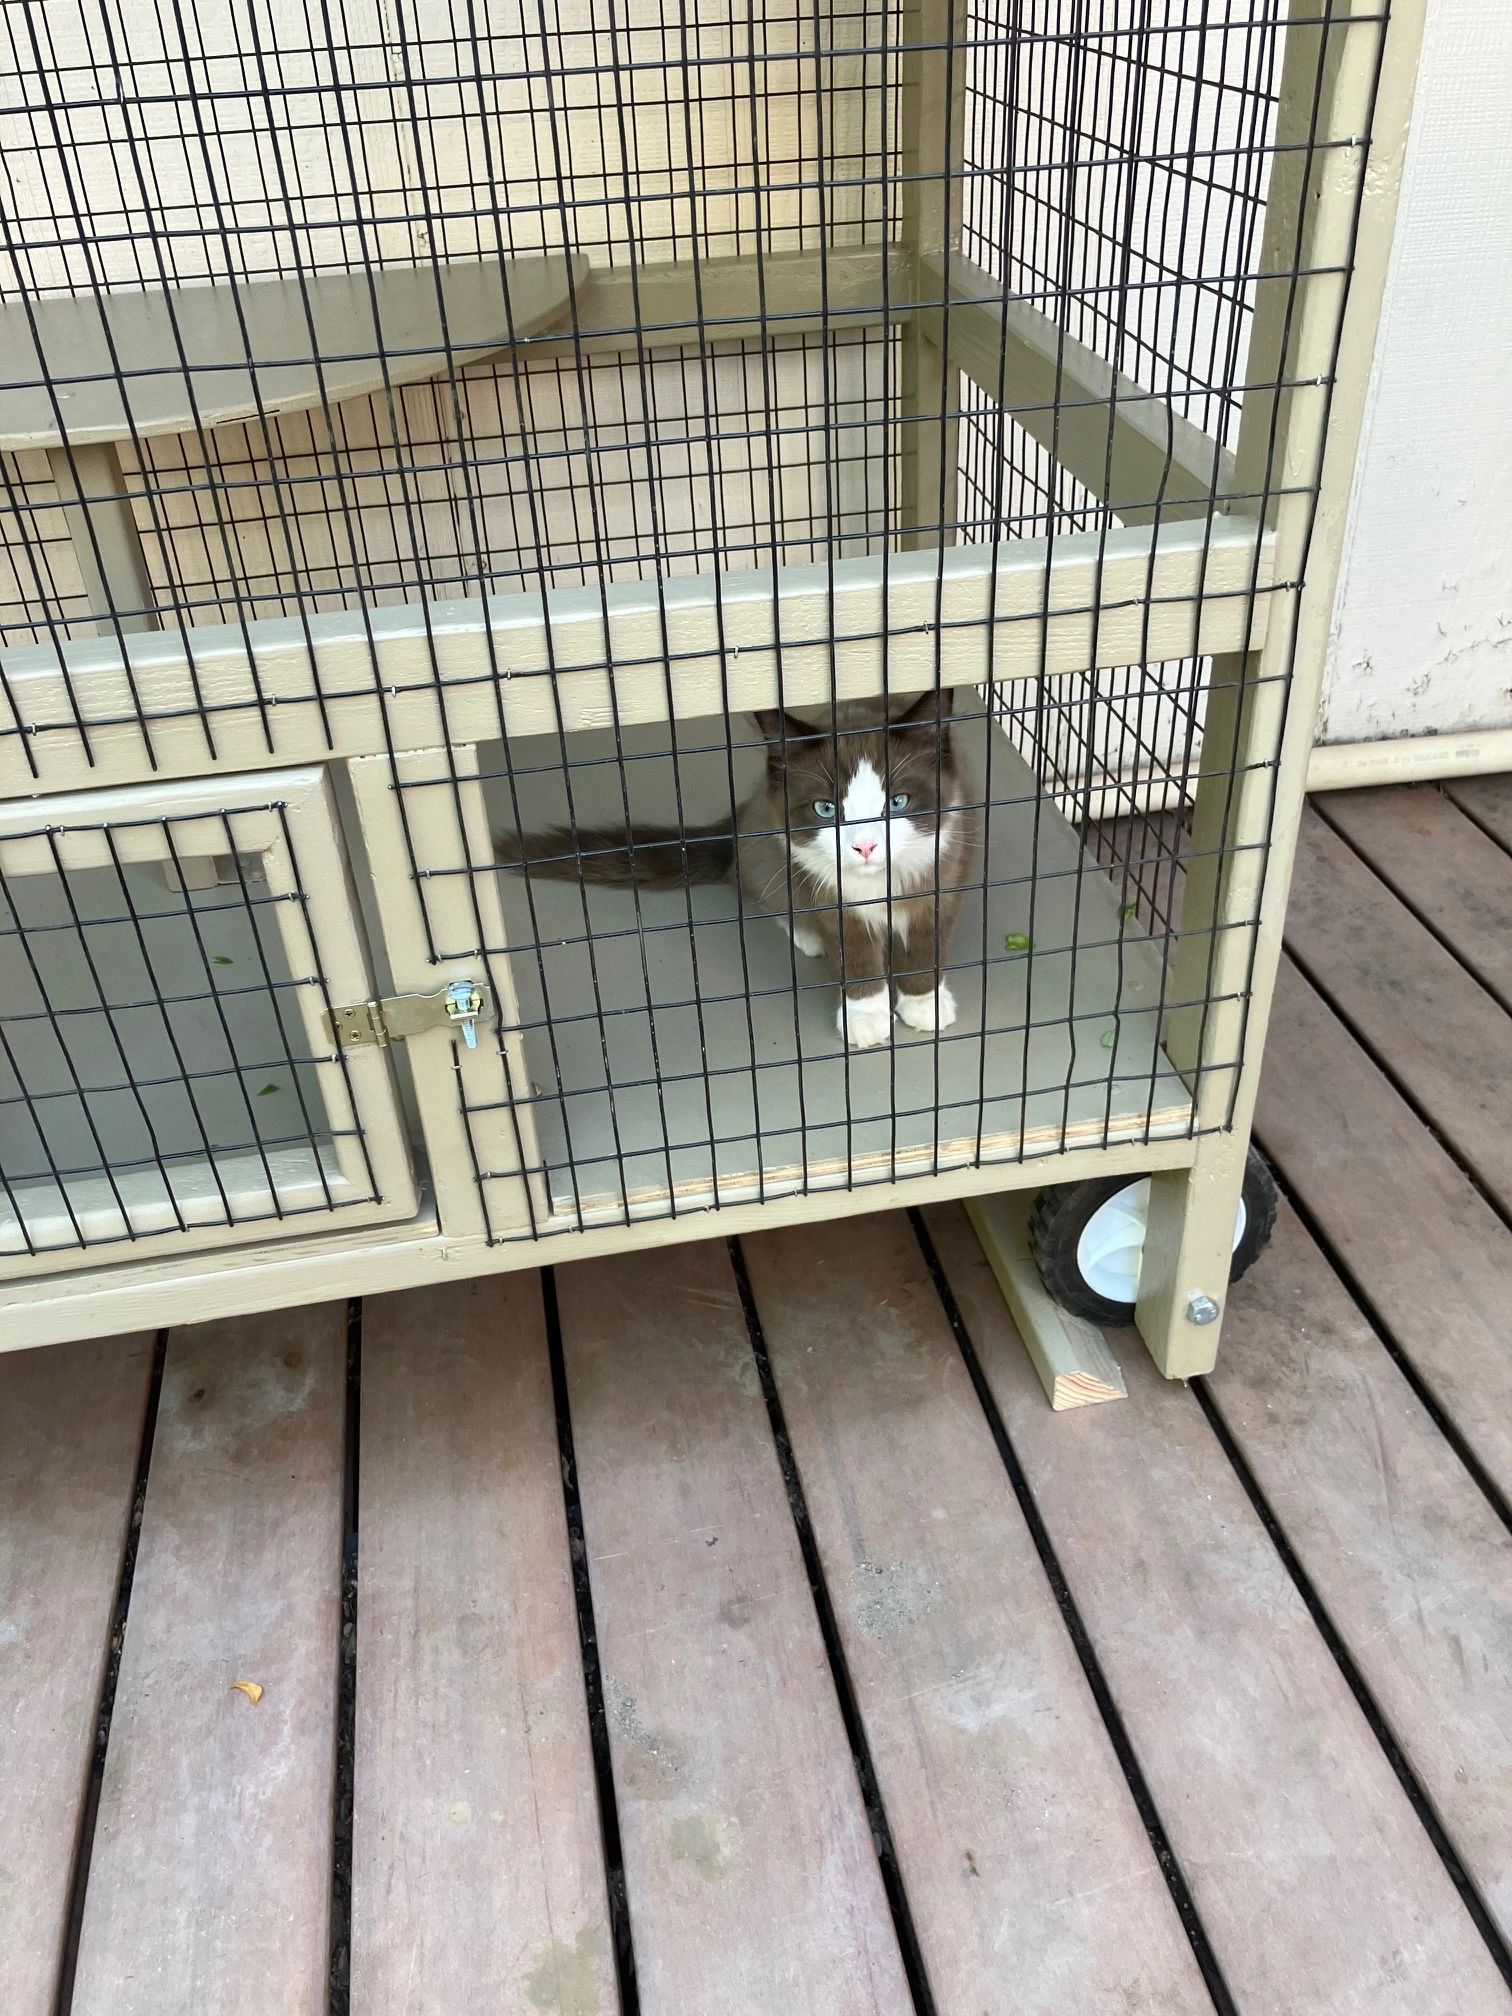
x: 767, y: 887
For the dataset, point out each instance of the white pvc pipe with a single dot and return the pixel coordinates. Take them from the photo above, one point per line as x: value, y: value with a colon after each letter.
x: 1338, y: 766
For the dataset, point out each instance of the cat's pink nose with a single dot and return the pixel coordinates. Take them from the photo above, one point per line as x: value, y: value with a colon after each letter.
x: 865, y: 848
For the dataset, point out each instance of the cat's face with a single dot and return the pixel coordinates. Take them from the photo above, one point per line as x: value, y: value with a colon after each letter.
x: 863, y: 805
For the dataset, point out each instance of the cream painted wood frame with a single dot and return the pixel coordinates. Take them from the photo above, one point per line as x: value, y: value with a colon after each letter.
x: 281, y: 825
x: 1341, y: 92
x: 580, y: 658
x: 1237, y: 562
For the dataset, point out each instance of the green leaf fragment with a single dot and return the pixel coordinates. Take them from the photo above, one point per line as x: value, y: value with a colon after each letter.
x: 1108, y: 1038
x: 1016, y: 941
x: 220, y: 959
x: 1127, y: 912
x: 264, y: 1090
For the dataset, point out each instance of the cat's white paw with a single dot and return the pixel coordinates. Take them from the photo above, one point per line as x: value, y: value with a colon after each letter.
x: 805, y: 938
x: 928, y: 1011
x: 865, y: 1023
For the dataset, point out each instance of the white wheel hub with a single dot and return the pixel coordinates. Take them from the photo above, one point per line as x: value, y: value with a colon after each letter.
x: 1111, y: 1246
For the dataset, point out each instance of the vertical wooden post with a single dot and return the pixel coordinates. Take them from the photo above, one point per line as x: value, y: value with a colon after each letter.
x: 103, y: 528
x: 480, y: 1143
x: 1261, y: 711
x: 933, y: 59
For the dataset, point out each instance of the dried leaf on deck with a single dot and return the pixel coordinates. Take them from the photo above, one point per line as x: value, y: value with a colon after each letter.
x: 250, y: 1688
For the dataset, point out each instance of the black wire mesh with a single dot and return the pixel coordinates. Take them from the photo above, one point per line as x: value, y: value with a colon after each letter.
x: 156, y: 1070
x: 837, y: 284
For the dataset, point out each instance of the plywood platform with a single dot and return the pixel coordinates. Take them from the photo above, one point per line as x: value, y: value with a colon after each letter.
x: 734, y: 1631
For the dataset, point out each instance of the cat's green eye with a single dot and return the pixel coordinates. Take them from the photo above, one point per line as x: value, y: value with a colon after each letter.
x: 898, y: 802
x: 824, y: 808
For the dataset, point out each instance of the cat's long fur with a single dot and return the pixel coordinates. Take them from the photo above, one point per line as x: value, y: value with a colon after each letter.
x: 885, y: 921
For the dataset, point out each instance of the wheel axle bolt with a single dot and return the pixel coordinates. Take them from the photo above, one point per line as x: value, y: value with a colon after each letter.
x: 1202, y: 1310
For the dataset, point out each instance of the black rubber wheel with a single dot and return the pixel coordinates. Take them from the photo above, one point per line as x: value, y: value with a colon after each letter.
x: 1061, y: 1215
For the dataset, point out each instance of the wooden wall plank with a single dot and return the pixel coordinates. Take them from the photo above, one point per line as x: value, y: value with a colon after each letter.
x: 1318, y: 1888
x: 1410, y: 1226
x: 478, y: 1876
x: 1031, y: 1879
x: 1449, y: 873
x: 1411, y: 1562
x: 1487, y: 800
x: 1430, y: 1023
x: 752, y: 1879
x: 210, y: 1882
x: 70, y: 1432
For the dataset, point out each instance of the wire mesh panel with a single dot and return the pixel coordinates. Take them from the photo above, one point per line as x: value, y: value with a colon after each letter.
x: 686, y: 1049
x: 165, y: 1070
x: 792, y: 469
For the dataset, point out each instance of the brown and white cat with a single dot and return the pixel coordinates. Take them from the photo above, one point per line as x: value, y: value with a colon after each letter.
x: 861, y: 841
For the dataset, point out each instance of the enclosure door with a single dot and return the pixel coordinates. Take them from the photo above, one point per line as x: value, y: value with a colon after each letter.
x: 168, y: 956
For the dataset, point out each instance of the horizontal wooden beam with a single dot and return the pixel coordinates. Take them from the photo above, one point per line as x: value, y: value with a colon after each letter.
x: 421, y: 675
x: 664, y: 304
x: 1060, y: 391
x: 145, y: 1292
x: 1129, y: 448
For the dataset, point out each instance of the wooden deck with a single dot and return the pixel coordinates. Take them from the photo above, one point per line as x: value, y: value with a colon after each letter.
x: 728, y: 1631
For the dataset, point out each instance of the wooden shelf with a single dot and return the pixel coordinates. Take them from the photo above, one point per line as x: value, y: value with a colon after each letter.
x: 756, y: 1095
x: 168, y: 360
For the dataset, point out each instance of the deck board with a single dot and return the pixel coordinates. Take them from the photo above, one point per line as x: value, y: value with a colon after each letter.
x: 210, y: 1883
x: 1411, y: 1562
x: 1449, y: 873
x: 1364, y: 1389
x: 477, y: 1862
x: 753, y: 1884
x: 1279, y: 1803
x: 1031, y: 1879
x: 70, y: 1432
x: 1434, y: 1258
x: 1393, y: 1204
x: 1488, y: 801
x: 1433, y: 1026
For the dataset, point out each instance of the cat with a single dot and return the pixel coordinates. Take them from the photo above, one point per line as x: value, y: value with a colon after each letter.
x: 860, y: 840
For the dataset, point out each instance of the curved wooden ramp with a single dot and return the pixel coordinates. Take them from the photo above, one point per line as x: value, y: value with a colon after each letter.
x: 175, y: 360
x: 87, y: 372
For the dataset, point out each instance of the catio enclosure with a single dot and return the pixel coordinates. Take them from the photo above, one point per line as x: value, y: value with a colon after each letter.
x: 420, y: 425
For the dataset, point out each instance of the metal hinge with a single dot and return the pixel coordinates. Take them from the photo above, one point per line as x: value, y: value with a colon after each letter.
x: 400, y: 1015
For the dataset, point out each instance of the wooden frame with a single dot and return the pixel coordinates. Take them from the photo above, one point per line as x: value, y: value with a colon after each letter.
x: 1207, y: 562
x: 113, y: 1300
x: 479, y: 1140
x: 284, y: 822
x: 1325, y: 219
x: 933, y: 63
x: 581, y: 658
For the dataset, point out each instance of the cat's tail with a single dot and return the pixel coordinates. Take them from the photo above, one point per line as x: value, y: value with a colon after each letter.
x: 657, y: 857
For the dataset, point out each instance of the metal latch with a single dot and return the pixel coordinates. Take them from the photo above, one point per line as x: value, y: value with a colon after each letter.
x: 391, y: 1020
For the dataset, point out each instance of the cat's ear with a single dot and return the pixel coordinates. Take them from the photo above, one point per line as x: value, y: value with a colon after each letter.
x: 776, y: 722
x: 933, y: 704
